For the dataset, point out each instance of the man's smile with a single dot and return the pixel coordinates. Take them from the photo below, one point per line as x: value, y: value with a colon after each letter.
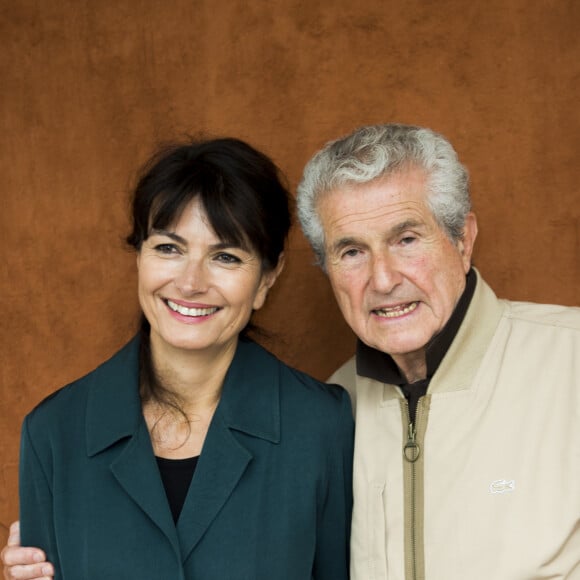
x: 395, y: 311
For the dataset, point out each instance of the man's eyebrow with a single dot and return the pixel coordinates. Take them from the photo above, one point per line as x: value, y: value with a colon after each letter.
x: 343, y: 243
x: 409, y: 224
x: 394, y: 231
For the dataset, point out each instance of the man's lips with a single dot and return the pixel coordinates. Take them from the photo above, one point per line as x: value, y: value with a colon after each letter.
x: 185, y: 311
x: 395, y: 311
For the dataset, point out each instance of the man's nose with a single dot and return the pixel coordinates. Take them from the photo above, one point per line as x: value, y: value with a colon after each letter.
x: 385, y: 274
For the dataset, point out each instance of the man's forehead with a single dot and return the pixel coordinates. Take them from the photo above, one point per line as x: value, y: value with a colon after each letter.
x: 394, y: 201
x: 409, y: 182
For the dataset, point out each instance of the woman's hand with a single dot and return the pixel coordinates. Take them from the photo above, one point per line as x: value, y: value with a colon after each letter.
x: 24, y: 563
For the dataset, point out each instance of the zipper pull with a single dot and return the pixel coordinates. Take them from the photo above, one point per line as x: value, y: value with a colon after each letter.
x: 411, y: 451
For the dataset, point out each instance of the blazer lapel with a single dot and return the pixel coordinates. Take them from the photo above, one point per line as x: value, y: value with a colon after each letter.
x: 250, y: 404
x: 114, y: 419
x: 137, y: 473
x: 220, y: 467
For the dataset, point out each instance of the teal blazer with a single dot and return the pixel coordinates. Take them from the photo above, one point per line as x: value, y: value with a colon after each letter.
x: 270, y: 498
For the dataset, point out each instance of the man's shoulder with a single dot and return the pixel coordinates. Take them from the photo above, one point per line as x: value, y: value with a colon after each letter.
x: 345, y: 374
x: 552, y: 315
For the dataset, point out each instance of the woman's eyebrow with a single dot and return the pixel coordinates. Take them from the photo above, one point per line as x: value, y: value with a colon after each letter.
x: 226, y: 245
x: 168, y: 234
x: 177, y: 238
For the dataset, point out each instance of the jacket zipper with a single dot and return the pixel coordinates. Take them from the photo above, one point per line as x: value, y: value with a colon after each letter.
x: 411, y: 453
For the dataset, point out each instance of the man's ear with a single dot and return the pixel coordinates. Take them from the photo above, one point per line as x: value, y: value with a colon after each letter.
x: 467, y: 242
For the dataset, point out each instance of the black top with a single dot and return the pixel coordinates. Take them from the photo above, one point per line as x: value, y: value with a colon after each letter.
x: 176, y: 475
x: 380, y: 366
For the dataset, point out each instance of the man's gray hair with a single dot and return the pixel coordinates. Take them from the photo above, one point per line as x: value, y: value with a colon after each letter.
x: 377, y: 151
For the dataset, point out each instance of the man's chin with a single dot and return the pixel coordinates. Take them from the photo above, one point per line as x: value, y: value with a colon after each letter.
x: 401, y: 343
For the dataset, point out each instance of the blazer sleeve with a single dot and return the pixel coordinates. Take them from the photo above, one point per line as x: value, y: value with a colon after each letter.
x: 36, y: 500
x: 333, y: 537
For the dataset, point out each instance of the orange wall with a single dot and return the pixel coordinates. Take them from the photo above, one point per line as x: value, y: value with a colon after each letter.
x: 88, y: 89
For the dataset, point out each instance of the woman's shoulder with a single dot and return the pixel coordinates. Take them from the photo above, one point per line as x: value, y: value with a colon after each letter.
x: 299, y: 384
x: 73, y: 397
x: 310, y: 385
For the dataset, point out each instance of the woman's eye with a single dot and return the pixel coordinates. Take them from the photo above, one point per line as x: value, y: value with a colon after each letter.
x: 226, y: 258
x: 408, y: 240
x: 166, y: 248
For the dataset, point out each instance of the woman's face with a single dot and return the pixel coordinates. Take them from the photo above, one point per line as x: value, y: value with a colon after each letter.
x: 197, y: 292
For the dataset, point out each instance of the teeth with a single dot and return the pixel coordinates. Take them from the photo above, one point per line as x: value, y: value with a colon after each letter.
x: 190, y: 311
x: 397, y: 311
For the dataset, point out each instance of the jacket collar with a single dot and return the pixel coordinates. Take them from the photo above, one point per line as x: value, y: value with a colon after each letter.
x: 465, y: 355
x: 250, y: 399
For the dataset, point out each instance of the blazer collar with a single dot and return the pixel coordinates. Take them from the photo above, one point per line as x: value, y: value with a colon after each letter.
x: 113, y: 405
x: 250, y: 399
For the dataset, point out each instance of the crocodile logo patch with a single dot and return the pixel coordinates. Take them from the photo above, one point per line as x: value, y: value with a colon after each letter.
x: 502, y: 486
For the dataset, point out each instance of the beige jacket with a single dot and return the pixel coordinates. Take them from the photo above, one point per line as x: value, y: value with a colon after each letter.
x: 495, y: 491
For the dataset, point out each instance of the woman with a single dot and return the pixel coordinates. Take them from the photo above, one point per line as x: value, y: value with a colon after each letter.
x: 192, y: 452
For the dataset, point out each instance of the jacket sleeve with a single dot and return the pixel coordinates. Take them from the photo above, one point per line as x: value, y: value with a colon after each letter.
x: 333, y: 536
x: 36, y: 501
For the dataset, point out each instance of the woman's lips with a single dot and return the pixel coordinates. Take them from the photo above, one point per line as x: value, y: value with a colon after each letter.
x: 186, y: 311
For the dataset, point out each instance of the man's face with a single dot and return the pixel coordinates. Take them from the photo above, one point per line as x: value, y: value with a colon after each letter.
x: 395, y: 273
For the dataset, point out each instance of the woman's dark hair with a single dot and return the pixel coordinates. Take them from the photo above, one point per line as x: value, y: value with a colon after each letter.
x: 240, y: 189
x: 242, y: 193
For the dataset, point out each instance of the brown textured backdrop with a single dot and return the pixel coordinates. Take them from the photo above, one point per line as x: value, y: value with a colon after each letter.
x: 88, y: 89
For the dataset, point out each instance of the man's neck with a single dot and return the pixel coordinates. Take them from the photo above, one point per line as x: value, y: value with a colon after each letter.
x: 413, y: 366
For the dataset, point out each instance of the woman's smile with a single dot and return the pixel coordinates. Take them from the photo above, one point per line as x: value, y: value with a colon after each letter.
x: 190, y: 311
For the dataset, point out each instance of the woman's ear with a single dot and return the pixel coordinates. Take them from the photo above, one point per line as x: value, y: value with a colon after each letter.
x: 268, y: 280
x: 278, y: 269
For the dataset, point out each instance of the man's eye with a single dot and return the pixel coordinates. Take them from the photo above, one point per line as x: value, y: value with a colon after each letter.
x: 408, y: 240
x: 350, y: 253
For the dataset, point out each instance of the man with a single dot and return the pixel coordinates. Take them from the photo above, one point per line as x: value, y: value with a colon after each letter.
x: 467, y: 453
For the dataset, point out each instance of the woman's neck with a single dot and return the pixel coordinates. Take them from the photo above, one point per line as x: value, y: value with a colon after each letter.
x: 195, y: 378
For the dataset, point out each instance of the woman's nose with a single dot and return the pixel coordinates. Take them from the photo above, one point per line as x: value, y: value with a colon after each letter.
x: 192, y: 277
